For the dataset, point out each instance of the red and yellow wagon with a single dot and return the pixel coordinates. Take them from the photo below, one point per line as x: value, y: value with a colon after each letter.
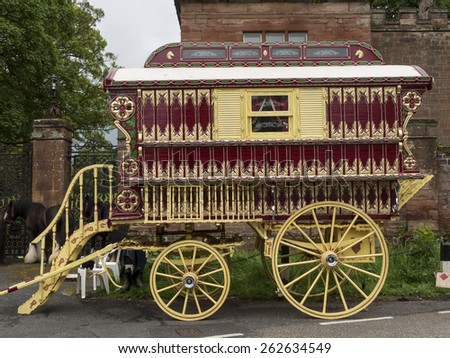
x: 306, y: 143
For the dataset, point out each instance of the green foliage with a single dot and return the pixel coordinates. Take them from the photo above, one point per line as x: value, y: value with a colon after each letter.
x: 412, y: 266
x: 44, y: 38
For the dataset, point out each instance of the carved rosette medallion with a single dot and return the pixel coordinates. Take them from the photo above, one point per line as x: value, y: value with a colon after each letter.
x: 128, y: 201
x: 122, y: 108
x: 412, y: 101
x: 130, y: 167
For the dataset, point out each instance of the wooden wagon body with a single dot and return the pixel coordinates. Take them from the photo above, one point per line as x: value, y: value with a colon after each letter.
x: 235, y: 132
x: 306, y: 143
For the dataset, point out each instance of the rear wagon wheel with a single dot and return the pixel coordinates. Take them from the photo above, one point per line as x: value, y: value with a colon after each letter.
x: 337, y: 261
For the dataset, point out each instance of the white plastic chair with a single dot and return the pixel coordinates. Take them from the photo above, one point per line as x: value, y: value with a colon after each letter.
x: 112, y: 262
x: 97, y: 270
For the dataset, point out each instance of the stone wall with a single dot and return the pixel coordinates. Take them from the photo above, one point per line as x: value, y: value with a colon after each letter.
x: 227, y: 20
x: 424, y: 41
x: 416, y: 38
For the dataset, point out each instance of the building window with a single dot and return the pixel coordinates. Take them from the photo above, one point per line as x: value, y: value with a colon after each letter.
x: 254, y: 37
x: 263, y: 36
x: 297, y: 36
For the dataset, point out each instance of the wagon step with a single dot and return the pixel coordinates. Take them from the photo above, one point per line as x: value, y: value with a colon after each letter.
x: 51, y: 281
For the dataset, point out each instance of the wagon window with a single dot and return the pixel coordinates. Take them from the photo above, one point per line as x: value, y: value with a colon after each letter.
x: 270, y: 121
x: 269, y: 113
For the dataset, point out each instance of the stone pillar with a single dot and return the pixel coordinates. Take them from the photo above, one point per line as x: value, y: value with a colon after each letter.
x: 423, y: 207
x: 52, y: 141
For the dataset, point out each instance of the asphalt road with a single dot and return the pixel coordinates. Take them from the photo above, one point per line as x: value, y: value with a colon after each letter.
x: 67, y: 315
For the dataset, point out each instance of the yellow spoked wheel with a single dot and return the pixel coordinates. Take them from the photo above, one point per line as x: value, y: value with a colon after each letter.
x: 330, y: 260
x: 283, y: 256
x: 190, y: 280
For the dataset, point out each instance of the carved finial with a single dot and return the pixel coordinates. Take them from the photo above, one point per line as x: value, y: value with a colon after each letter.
x: 424, y: 8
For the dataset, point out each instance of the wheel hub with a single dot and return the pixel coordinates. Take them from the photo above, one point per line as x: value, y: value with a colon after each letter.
x: 189, y: 280
x: 330, y: 259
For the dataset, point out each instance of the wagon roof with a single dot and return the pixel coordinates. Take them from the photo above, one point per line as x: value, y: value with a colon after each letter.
x: 267, y: 76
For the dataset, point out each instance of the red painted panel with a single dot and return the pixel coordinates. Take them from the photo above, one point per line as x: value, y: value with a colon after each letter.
x: 335, y: 114
x: 247, y: 158
x: 204, y: 116
x: 364, y: 166
x: 390, y: 114
x: 309, y: 157
x: 283, y: 159
x: 162, y: 168
x: 176, y: 118
x: 378, y: 156
x: 162, y: 117
x: 205, y: 159
x: 363, y: 117
x: 219, y: 158
x: 351, y: 155
x: 377, y: 116
x: 350, y: 116
x: 337, y: 163
x: 189, y: 113
x: 149, y: 116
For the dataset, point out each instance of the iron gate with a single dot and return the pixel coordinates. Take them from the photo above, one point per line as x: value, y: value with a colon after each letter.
x: 15, y: 184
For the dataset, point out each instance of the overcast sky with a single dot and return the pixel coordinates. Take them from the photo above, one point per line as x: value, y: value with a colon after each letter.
x: 135, y: 28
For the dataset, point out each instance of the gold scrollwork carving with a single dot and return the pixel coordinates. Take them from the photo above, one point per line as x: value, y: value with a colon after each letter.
x: 122, y: 108
x: 128, y: 201
x: 125, y: 133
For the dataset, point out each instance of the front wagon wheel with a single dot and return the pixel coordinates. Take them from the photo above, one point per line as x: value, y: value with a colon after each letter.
x: 337, y: 261
x: 190, y: 280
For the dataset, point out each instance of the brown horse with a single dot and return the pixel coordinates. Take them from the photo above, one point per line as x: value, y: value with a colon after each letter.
x: 37, y: 217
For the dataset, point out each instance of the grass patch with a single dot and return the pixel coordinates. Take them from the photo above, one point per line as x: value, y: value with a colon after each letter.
x: 413, y: 260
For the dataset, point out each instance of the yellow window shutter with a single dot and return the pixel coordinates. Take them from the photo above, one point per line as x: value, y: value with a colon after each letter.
x: 312, y: 113
x: 228, y: 114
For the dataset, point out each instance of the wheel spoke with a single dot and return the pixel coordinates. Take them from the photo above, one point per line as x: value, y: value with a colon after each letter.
x: 325, y: 291
x: 169, y: 275
x: 175, y: 296
x: 341, y: 294
x: 186, y: 300
x: 194, y: 254
x: 173, y: 265
x: 210, y: 284
x: 168, y: 287
x: 361, y: 270
x: 306, y: 237
x: 356, y: 242
x: 351, y: 258
x: 347, y: 231
x: 197, y: 303
x: 289, y: 284
x: 211, y: 272
x: 296, y: 245
x: 311, y: 287
x: 333, y: 220
x: 207, y: 295
x: 298, y: 263
x: 318, y: 228
x: 203, y: 264
x: 182, y: 258
x: 353, y: 283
